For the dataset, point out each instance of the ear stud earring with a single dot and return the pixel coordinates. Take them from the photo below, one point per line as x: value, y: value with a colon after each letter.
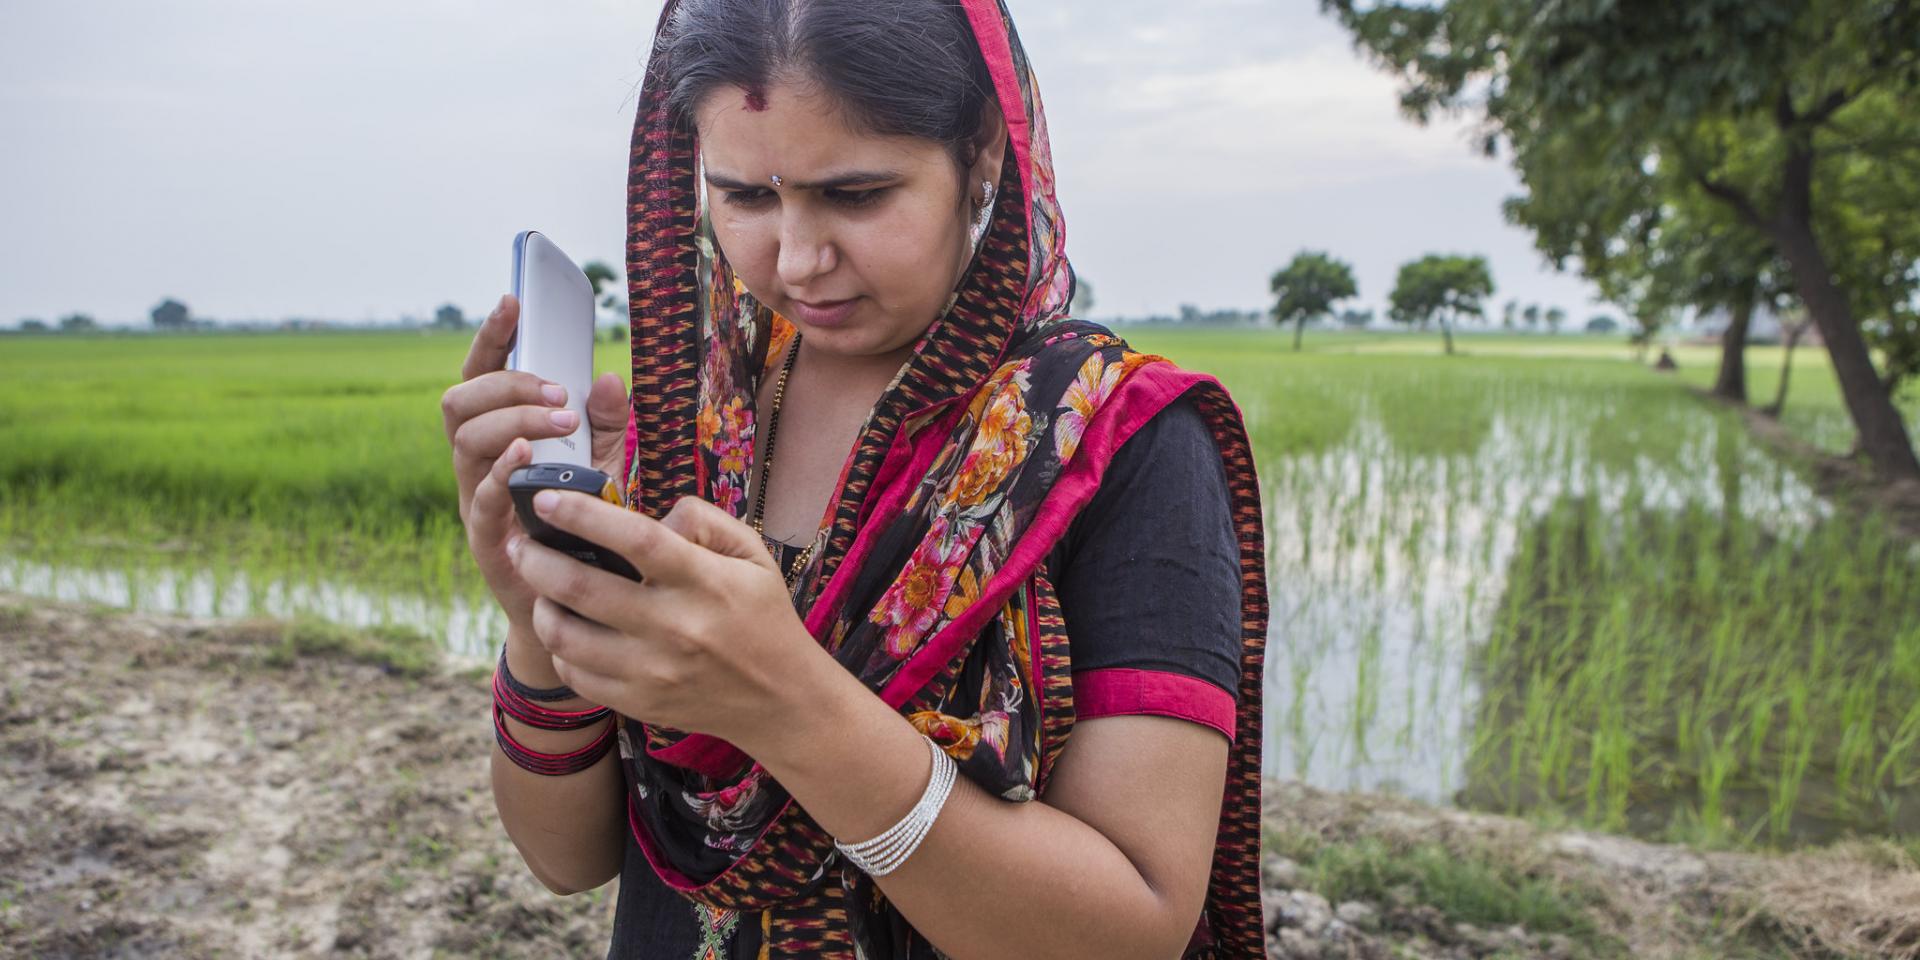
x: 978, y: 231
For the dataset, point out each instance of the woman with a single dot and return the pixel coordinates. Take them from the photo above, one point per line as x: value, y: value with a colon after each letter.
x: 950, y: 633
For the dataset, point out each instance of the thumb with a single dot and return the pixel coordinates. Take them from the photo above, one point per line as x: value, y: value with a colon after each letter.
x: 702, y: 523
x: 607, y: 413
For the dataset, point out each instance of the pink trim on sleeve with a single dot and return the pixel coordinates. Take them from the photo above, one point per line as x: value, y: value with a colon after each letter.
x: 1121, y: 691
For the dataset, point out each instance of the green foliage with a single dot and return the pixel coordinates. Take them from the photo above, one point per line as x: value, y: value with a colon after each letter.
x: 1635, y: 126
x: 599, y: 275
x: 171, y: 314
x: 396, y: 649
x: 1482, y: 889
x: 1308, y: 287
x: 1440, y: 287
x: 1082, y: 305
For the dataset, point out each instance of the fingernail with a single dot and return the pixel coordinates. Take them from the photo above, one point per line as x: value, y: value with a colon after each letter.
x: 564, y: 419
x: 555, y: 393
x: 513, y: 544
x: 545, y: 501
x: 500, y: 304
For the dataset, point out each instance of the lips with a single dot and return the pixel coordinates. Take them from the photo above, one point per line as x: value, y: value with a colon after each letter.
x: 823, y: 313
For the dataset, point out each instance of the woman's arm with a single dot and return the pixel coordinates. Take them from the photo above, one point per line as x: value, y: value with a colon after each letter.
x: 571, y: 829
x: 1113, y: 863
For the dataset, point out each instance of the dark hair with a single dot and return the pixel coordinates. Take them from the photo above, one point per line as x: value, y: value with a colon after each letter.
x: 897, y: 67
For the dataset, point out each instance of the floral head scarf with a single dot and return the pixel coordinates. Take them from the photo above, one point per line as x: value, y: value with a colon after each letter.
x: 928, y: 581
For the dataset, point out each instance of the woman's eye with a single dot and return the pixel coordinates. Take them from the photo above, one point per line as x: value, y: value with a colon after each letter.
x: 747, y: 198
x: 856, y: 198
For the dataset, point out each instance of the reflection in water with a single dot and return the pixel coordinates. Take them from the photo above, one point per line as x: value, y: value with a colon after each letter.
x: 1387, y: 567
x: 469, y: 629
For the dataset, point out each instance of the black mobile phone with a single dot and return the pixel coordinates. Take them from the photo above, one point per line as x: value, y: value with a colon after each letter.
x: 529, y: 480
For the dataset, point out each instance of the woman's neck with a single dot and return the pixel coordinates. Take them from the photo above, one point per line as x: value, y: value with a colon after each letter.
x: 863, y: 376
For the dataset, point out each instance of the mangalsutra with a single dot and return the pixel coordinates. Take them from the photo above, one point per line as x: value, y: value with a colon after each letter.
x: 766, y: 468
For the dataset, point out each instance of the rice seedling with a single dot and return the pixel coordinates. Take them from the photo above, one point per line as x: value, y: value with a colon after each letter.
x: 1546, y: 581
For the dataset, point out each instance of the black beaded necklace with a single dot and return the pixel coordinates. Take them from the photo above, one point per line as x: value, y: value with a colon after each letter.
x: 793, y: 569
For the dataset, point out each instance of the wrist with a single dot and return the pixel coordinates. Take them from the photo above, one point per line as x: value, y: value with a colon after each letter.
x: 814, y: 698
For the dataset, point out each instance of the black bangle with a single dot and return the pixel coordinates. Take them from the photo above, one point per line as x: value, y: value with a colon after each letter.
x: 547, y: 695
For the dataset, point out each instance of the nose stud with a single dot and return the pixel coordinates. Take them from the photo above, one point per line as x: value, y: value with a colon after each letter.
x: 777, y: 181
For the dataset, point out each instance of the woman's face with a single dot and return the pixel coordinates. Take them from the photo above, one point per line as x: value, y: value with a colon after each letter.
x: 865, y: 237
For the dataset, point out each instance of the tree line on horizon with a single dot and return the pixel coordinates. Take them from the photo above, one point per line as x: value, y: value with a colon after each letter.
x: 1721, y: 156
x: 1443, y: 288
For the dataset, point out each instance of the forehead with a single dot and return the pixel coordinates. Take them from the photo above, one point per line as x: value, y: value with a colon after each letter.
x: 798, y: 132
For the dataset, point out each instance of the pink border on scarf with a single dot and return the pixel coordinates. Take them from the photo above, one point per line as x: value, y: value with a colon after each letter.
x: 1135, y: 400
x: 1128, y: 691
x: 991, y: 33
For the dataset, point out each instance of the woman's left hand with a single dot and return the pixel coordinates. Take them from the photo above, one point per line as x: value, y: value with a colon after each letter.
x: 708, y: 642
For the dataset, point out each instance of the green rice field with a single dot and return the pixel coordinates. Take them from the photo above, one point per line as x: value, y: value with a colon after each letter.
x: 1537, y: 577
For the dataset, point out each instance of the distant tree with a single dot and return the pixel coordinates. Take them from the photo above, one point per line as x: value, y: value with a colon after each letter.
x: 449, y: 317
x: 171, y: 314
x: 1355, y: 318
x: 1509, y: 314
x: 1082, y: 297
x: 1532, y: 314
x: 609, y: 294
x: 1555, y: 318
x: 1443, y: 288
x: 1601, y: 323
x: 77, y: 323
x: 1308, y: 287
x: 33, y: 325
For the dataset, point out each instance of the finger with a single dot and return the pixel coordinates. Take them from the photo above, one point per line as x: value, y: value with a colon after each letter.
x: 590, y: 646
x: 494, y: 340
x: 706, y: 525
x: 490, y: 391
x: 660, y: 554
x: 593, y: 593
x: 491, y: 516
x: 592, y: 687
x: 482, y: 439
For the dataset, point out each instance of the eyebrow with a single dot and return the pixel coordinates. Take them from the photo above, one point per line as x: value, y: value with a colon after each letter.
x: 857, y: 178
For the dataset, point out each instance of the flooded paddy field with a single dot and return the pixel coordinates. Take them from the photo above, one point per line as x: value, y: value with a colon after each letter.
x: 1537, y: 578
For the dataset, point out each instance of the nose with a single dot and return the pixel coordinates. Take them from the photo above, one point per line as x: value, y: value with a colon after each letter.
x: 806, y: 247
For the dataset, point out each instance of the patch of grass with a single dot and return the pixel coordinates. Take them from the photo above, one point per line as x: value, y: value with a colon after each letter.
x: 1482, y: 890
x: 397, y: 649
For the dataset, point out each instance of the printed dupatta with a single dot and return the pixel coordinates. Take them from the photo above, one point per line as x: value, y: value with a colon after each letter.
x: 928, y: 580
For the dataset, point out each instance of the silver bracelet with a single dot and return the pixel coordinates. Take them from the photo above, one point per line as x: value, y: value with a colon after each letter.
x: 882, y: 854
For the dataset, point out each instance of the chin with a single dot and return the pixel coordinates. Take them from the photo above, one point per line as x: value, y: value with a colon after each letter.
x: 860, y: 335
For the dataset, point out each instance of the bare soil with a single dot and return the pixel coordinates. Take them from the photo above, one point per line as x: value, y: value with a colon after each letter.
x: 173, y: 788
x: 179, y: 787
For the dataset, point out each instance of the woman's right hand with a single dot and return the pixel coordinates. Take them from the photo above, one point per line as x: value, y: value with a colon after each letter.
x: 490, y: 416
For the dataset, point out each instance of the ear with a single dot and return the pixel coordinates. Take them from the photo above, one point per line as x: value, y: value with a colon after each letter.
x: 989, y: 149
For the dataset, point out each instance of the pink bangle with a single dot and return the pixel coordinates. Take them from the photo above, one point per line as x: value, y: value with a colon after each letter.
x: 507, y: 696
x: 551, y: 764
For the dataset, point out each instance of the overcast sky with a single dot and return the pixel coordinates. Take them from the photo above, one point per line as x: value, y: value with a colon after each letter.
x: 367, y: 159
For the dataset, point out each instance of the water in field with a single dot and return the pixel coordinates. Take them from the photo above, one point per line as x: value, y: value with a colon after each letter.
x: 1387, y: 568
x: 1557, y: 585
x: 1569, y: 593
x: 470, y: 629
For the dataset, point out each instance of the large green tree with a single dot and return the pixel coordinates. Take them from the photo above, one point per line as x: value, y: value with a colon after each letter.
x: 1749, y: 100
x: 1308, y: 287
x: 1440, y: 287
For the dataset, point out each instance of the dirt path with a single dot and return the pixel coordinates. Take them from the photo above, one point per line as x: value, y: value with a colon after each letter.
x: 172, y: 788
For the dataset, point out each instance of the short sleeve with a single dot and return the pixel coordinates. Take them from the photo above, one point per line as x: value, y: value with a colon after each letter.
x: 1148, y: 576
